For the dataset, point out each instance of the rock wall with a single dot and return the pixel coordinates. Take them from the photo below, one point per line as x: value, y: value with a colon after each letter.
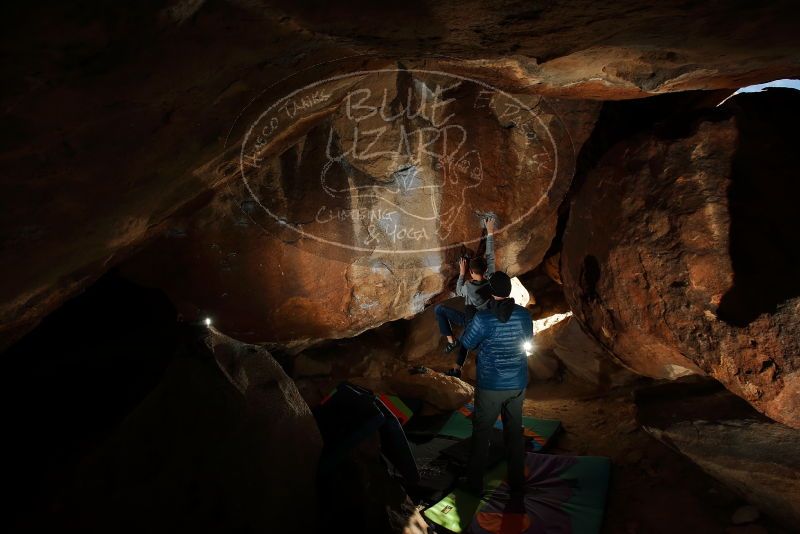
x: 756, y: 458
x: 225, y: 441
x: 123, y: 419
x: 362, y: 220
x: 680, y: 246
x: 566, y: 346
x: 115, y: 116
x: 617, y: 49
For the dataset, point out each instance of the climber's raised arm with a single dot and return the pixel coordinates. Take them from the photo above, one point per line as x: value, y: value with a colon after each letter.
x: 490, y: 266
x: 462, y: 272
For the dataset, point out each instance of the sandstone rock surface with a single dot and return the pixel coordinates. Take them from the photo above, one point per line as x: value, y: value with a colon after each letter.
x: 223, y: 442
x: 565, y: 345
x: 119, y: 119
x: 755, y: 457
x: 613, y: 50
x: 680, y: 254
x: 362, y: 219
x: 423, y: 339
x: 447, y: 393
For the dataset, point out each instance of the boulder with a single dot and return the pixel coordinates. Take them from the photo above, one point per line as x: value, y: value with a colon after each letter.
x: 680, y: 253
x: 356, y: 218
x: 424, y: 338
x: 756, y: 458
x: 373, y: 354
x: 552, y: 267
x: 306, y: 366
x: 542, y: 365
x: 446, y: 393
x: 563, y: 345
x: 584, y: 358
x: 224, y: 442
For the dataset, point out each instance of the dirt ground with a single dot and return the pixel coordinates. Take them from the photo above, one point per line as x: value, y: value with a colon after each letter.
x: 653, y: 489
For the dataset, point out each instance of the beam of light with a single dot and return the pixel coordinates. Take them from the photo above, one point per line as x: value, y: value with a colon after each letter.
x: 543, y: 324
x: 519, y: 293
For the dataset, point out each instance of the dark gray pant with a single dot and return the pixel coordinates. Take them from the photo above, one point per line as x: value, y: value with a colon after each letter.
x: 488, y: 405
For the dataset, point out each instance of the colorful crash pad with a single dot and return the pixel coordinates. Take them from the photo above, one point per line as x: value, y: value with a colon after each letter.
x: 397, y: 407
x: 456, y: 510
x: 539, y: 431
x: 562, y: 494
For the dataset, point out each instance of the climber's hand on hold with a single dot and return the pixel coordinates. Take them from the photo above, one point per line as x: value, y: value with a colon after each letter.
x: 462, y: 266
x: 490, y: 225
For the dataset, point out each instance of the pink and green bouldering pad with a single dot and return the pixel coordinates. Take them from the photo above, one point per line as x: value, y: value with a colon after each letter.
x: 563, y: 494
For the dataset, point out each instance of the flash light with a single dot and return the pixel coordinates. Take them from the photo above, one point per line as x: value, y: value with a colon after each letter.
x: 208, y: 321
x: 528, y: 346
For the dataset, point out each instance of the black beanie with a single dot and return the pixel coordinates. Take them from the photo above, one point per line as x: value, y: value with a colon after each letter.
x: 500, y: 284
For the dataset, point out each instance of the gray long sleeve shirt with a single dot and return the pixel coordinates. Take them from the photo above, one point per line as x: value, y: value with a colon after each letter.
x: 469, y: 289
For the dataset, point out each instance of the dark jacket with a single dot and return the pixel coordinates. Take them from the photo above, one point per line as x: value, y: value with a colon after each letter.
x: 501, y: 332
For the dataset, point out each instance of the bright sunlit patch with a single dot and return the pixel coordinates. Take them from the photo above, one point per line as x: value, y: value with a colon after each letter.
x: 207, y: 321
x: 547, y: 322
x: 519, y: 293
x: 785, y: 82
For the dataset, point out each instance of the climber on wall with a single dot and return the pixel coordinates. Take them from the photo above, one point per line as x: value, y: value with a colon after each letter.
x: 479, y: 268
x: 501, y: 332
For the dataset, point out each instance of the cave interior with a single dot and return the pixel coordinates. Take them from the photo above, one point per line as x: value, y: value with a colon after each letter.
x: 216, y: 213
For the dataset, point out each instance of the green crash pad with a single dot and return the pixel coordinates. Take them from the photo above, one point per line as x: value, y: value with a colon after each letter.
x: 562, y: 494
x: 455, y: 511
x: 540, y: 431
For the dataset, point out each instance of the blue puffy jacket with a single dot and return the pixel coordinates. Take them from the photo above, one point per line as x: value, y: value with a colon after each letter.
x: 501, y: 332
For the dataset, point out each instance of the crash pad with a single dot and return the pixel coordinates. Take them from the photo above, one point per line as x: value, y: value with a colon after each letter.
x: 396, y: 405
x: 456, y: 510
x: 539, y: 431
x: 562, y: 494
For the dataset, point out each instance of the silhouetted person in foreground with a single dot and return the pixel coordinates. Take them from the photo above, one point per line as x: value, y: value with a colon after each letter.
x: 500, y: 332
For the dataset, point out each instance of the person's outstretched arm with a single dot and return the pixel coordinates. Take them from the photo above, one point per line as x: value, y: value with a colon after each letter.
x: 490, y: 267
x: 462, y: 272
